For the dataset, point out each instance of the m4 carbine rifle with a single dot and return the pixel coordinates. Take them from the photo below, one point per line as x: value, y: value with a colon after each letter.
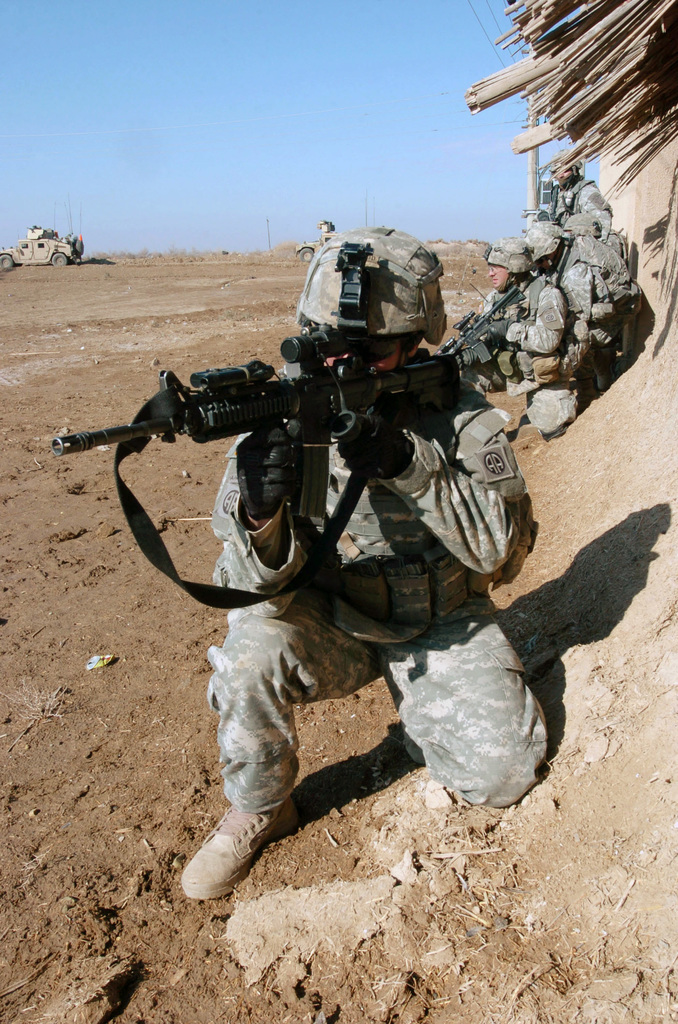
x: 319, y: 402
x: 471, y: 345
x: 322, y: 404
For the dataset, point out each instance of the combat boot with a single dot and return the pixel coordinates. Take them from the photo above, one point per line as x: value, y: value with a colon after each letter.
x: 603, y: 361
x: 226, y: 856
x: 551, y: 435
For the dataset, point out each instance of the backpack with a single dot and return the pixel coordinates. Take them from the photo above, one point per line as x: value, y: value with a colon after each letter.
x: 609, y: 267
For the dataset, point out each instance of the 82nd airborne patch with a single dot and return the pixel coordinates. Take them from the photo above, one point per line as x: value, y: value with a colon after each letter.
x: 493, y: 463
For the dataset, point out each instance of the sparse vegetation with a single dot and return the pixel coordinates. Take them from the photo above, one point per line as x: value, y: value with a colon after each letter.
x: 32, y: 703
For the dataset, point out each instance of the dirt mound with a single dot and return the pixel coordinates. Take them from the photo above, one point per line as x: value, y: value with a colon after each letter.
x: 450, y: 250
x: 398, y: 903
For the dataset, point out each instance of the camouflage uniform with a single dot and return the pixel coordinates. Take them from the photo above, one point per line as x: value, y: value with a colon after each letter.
x: 539, y: 333
x: 579, y: 195
x: 580, y: 262
x: 576, y: 281
x: 591, y: 304
x: 405, y: 597
x: 583, y: 197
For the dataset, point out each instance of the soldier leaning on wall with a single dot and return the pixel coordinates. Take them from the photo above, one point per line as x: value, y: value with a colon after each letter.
x: 572, y: 194
x: 600, y: 293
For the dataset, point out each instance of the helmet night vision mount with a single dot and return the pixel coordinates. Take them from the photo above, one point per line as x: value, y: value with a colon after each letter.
x: 313, y: 346
x: 355, y: 287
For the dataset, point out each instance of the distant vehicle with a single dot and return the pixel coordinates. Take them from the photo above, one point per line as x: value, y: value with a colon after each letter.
x: 41, y: 246
x: 306, y: 250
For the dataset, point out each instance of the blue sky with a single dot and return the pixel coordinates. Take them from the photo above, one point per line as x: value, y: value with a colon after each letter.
x: 191, y: 124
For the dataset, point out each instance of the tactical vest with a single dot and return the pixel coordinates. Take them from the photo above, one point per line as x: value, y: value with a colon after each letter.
x: 515, y: 367
x: 570, y: 202
x: 533, y: 294
x: 390, y: 567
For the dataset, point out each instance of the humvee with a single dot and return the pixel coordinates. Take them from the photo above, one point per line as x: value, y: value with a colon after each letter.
x: 306, y: 250
x: 40, y: 246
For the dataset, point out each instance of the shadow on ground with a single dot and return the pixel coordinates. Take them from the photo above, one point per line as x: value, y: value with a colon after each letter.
x: 356, y: 777
x: 582, y: 606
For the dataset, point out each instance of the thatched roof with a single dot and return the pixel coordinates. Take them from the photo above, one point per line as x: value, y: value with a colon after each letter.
x: 604, y: 73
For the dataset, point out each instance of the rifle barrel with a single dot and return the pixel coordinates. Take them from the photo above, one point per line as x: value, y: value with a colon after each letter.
x: 86, y: 439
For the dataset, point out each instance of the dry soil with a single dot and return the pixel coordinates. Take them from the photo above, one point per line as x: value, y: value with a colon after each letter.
x: 393, y: 901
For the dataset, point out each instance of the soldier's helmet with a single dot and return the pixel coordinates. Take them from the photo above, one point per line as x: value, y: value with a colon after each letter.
x: 543, y: 238
x: 511, y: 253
x: 404, y: 294
x: 561, y: 161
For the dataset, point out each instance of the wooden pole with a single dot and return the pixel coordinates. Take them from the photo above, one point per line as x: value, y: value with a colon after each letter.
x: 532, y: 171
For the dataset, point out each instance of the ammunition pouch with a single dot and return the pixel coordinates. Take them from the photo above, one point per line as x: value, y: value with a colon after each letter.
x: 508, y: 364
x: 546, y: 369
x: 409, y: 590
x: 363, y: 585
x: 602, y: 310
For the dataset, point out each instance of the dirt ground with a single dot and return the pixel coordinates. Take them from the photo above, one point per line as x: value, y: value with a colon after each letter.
x: 393, y: 901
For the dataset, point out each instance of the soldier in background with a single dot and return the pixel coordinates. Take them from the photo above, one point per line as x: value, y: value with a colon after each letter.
x: 445, y: 513
x: 572, y: 194
x: 531, y: 337
x: 556, y: 261
x: 600, y: 293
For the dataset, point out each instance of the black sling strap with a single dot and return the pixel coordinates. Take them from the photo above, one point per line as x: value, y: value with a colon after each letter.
x: 153, y: 547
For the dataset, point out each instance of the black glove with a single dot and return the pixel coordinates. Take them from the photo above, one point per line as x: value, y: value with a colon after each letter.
x: 380, y: 451
x: 266, y: 471
x: 496, y: 332
x: 468, y: 357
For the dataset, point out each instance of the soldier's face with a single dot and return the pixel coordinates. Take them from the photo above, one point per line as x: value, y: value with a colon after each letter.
x: 385, y: 353
x: 389, y: 354
x: 546, y: 262
x: 498, y: 276
x: 563, y: 175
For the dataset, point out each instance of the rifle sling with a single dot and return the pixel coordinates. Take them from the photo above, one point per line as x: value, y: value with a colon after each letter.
x: 153, y: 547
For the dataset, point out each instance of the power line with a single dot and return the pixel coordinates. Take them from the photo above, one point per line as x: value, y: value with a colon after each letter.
x: 494, y: 17
x: 444, y: 133
x: 218, y: 124
x: 499, y: 27
x: 274, y: 140
x: 494, y: 49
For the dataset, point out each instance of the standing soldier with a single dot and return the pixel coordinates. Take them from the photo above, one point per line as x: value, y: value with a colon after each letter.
x: 571, y: 194
x: 444, y: 514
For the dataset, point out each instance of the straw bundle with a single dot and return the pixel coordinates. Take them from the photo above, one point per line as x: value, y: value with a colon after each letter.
x: 604, y: 73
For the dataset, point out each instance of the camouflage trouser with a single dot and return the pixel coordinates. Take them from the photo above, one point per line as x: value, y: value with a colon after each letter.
x: 458, y: 689
x: 598, y: 366
x: 551, y: 407
x: 485, y: 376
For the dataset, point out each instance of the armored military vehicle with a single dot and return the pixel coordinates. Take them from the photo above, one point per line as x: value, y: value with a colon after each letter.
x: 41, y: 246
x: 306, y: 250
